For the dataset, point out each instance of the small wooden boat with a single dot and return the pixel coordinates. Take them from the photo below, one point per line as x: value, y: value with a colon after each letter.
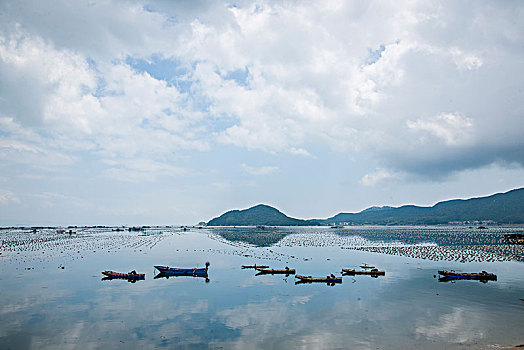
x: 366, y: 266
x: 468, y: 276
x: 286, y: 271
x: 175, y: 271
x: 128, y: 276
x: 255, y: 266
x: 327, y: 279
x: 372, y: 272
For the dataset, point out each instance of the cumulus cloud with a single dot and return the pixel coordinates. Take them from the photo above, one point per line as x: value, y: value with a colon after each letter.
x: 452, y: 129
x: 57, y: 102
x: 379, y: 177
x: 402, y: 83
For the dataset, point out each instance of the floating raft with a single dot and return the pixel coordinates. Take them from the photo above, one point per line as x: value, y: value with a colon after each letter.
x: 127, y: 276
x: 327, y: 279
x: 255, y: 266
x: 485, y: 276
x: 372, y: 272
x: 286, y: 271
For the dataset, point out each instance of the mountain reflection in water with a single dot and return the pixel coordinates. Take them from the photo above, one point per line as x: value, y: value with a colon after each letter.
x: 260, y: 237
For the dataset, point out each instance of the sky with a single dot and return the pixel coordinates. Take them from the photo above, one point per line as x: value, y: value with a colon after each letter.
x: 173, y: 112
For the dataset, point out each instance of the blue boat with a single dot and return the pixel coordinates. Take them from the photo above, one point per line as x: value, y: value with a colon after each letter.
x: 176, y: 271
x: 482, y: 276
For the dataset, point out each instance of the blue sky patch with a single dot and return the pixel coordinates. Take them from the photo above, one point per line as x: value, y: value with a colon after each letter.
x: 159, y: 68
x: 240, y: 76
x: 375, y: 55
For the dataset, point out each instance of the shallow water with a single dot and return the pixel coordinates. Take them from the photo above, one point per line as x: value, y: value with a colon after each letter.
x: 43, y: 305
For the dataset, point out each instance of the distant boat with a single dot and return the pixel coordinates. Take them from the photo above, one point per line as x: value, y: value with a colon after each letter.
x: 485, y: 276
x: 175, y: 271
x: 133, y: 275
x: 327, y: 279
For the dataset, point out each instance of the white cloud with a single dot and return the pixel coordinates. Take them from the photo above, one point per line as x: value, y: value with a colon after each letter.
x: 54, y: 199
x: 305, y: 77
x: 111, y: 110
x: 452, y: 327
x: 7, y: 197
x: 465, y: 60
x: 300, y: 152
x: 379, y: 177
x: 54, y: 78
x: 264, y: 170
x: 452, y: 128
x: 139, y: 170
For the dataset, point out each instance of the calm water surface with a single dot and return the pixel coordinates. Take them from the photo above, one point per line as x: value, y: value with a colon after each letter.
x: 43, y: 305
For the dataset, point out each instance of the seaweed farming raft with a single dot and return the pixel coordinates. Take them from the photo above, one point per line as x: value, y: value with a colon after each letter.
x: 372, y: 272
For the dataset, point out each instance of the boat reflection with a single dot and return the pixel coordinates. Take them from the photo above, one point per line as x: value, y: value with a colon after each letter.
x: 452, y: 280
x: 266, y: 271
x: 131, y: 280
x: 452, y: 275
x: 166, y: 275
x: 331, y: 284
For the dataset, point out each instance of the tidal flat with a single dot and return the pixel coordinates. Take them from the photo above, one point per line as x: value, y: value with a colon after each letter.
x: 52, y: 292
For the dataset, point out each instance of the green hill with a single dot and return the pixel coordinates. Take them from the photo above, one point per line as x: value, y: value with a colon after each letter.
x: 258, y: 215
x: 502, y: 208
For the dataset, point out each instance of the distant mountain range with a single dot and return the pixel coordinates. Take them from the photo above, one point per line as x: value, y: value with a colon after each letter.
x: 500, y: 208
